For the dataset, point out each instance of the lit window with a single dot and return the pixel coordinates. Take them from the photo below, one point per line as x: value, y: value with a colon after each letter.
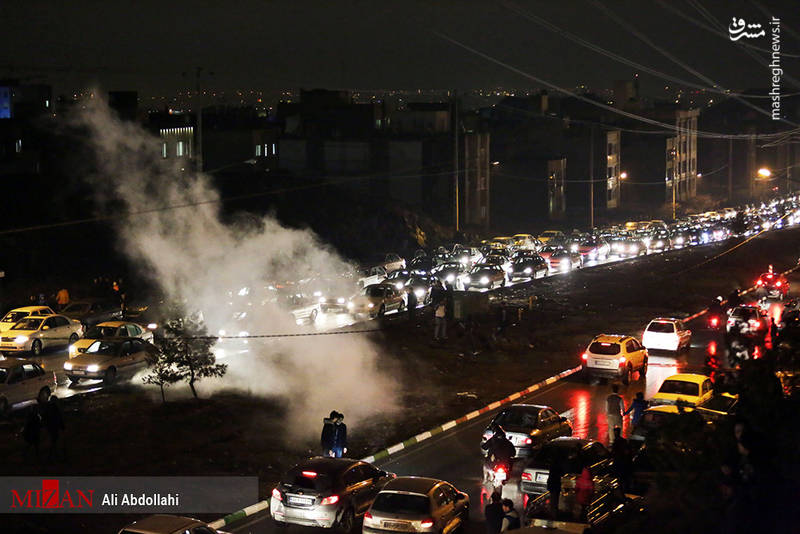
x: 164, y: 150
x: 18, y: 146
x: 258, y: 150
x: 274, y: 149
x: 266, y: 149
x: 47, y: 103
x: 179, y: 150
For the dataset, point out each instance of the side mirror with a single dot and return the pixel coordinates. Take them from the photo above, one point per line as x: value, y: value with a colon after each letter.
x: 45, y: 327
x: 563, y: 419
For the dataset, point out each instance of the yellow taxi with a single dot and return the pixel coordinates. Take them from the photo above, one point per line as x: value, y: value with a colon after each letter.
x: 690, y: 388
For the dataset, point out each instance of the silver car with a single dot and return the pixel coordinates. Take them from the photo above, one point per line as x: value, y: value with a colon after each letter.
x: 327, y: 492
x: 417, y: 504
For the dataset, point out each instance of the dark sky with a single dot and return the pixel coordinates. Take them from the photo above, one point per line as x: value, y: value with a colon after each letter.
x: 371, y: 44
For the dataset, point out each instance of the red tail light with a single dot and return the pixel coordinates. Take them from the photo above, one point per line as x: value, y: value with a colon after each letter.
x: 527, y: 476
x: 584, y: 356
x: 333, y: 499
x: 778, y: 283
x: 712, y: 348
x: 527, y: 441
x: 277, y: 494
x: 426, y: 523
x: 499, y: 469
x: 309, y: 474
x: 622, y: 360
x: 714, y: 321
x: 368, y: 516
x: 760, y: 282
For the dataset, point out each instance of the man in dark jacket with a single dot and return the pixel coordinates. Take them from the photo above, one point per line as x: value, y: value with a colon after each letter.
x: 511, y: 518
x: 334, y: 435
x: 54, y: 423
x: 494, y: 514
x: 554, y: 487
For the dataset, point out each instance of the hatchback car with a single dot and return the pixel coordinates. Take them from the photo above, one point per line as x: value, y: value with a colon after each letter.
x: 327, y: 492
x: 104, y: 358
x: 772, y: 285
x: 692, y: 389
x: 36, y: 333
x: 572, y: 454
x: 168, y: 524
x: 614, y: 356
x: 417, y: 504
x: 15, y: 315
x: 529, y: 426
x: 528, y: 264
x: 485, y: 275
x: 666, y: 333
x: 23, y: 380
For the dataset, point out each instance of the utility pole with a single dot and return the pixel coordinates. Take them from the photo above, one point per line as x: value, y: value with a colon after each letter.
x: 456, y: 131
x: 591, y: 180
x: 674, y: 155
x: 730, y: 170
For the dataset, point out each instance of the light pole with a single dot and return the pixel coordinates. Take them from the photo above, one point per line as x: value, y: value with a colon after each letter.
x: 674, y: 155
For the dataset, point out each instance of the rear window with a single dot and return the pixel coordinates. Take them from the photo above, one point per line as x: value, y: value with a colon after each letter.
x: 297, y: 479
x: 661, y: 327
x: 679, y: 387
x: 743, y: 313
x: 517, y: 417
x: 401, y: 503
x: 567, y: 456
x: 604, y: 348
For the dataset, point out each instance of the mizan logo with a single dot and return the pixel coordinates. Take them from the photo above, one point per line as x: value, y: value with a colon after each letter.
x: 49, y: 497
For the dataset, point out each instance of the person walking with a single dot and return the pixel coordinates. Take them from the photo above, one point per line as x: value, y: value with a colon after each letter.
x: 54, y: 424
x: 412, y: 305
x: 440, y: 321
x: 637, y: 407
x: 554, y: 487
x: 622, y: 456
x: 510, y: 518
x: 584, y: 490
x: 31, y: 431
x: 494, y: 514
x: 615, y: 407
x: 62, y: 298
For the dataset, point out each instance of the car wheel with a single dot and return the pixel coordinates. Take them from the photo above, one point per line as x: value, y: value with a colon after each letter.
x: 313, y: 317
x: 346, y: 522
x: 626, y: 378
x: 111, y: 376
x: 36, y: 347
x: 4, y: 407
x: 44, y: 395
x: 73, y: 338
x: 382, y: 311
x: 643, y: 370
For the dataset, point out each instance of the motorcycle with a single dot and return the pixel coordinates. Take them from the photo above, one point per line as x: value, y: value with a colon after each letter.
x: 497, y: 474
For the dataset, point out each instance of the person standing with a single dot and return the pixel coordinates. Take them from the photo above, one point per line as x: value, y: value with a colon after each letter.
x: 412, y: 305
x: 622, y: 456
x: 53, y: 423
x: 584, y: 490
x: 326, y: 441
x: 62, y: 298
x: 494, y: 514
x: 638, y: 406
x: 615, y: 407
x: 339, y: 447
x: 440, y: 321
x: 511, y: 518
x: 32, y: 430
x: 554, y: 486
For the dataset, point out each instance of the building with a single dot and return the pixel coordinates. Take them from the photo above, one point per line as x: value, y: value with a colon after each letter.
x: 476, y: 179
x: 681, y: 158
x: 23, y: 134
x: 613, y: 173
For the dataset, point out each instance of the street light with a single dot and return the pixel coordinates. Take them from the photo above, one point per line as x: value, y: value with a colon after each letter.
x: 764, y: 172
x: 623, y: 175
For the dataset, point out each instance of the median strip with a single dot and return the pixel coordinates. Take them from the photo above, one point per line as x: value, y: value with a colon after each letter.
x: 240, y: 514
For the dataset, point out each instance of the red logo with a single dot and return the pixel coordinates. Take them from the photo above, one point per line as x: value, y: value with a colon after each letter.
x: 49, y: 497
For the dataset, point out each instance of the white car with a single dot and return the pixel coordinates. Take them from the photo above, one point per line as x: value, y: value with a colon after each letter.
x: 109, y: 329
x: 373, y: 275
x: 666, y: 333
x: 23, y: 380
x: 34, y: 334
x: 11, y: 318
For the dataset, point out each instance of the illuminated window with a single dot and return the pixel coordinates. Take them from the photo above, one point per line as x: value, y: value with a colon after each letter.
x: 179, y: 150
x: 164, y: 150
x: 266, y: 149
x: 258, y: 150
x: 18, y: 146
x: 274, y: 149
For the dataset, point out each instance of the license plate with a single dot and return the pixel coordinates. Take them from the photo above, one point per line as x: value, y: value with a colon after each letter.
x: 542, y: 477
x: 605, y: 364
x: 302, y: 501
x: 395, y: 525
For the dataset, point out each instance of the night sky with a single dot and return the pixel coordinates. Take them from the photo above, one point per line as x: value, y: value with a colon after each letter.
x: 371, y: 44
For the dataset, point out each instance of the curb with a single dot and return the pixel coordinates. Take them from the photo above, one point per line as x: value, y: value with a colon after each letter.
x: 239, y: 515
x: 385, y: 453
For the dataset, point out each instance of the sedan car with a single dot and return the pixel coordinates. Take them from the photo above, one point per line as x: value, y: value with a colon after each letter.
x: 666, y: 333
x: 688, y: 388
x: 327, y: 492
x: 572, y: 454
x: 422, y: 265
x: 593, y: 248
x: 502, y: 260
x: 90, y: 312
x: 562, y: 260
x: 552, y: 236
x: 104, y: 358
x: 168, y: 524
x: 417, y: 504
x: 15, y: 315
x: 529, y: 426
x: 450, y: 273
x: 23, y: 380
x: 614, y: 356
x: 107, y: 330
x: 35, y: 334
x: 528, y: 264
x: 485, y: 275
x: 377, y: 299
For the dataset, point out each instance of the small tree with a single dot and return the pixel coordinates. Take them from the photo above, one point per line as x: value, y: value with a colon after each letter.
x: 186, y: 348
x: 162, y: 372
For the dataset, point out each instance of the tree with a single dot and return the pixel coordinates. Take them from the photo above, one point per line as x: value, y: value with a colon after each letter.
x: 162, y: 372
x: 186, y: 348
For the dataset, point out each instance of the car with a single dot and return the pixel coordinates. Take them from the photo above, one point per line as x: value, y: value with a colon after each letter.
x: 332, y: 295
x: 377, y: 299
x: 467, y: 256
x: 573, y: 454
x: 666, y: 333
x: 23, y: 380
x: 168, y: 524
x: 749, y: 321
x: 109, y: 329
x: 485, y: 275
x: 327, y: 492
x: 106, y: 357
x: 562, y: 260
x: 526, y: 242
x: 680, y: 239
x: 422, y: 265
x: 393, y: 262
x: 371, y: 275
x: 529, y: 426
x: 91, y: 312
x: 554, y: 237
x: 503, y: 241
x: 421, y: 285
x: 653, y: 419
x: 528, y: 264
x: 37, y: 333
x: 593, y: 248
x: 450, y: 272
x: 417, y: 504
x: 688, y: 388
x: 398, y: 278
x: 660, y: 241
x: 772, y: 285
x: 502, y: 260
x: 13, y: 316
x: 614, y: 356
x: 607, y: 512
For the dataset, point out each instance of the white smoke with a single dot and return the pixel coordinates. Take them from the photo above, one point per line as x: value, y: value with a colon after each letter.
x: 198, y: 259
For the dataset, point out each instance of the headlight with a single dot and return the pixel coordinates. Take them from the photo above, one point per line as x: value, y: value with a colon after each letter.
x: 340, y: 300
x: 659, y: 243
x: 565, y: 265
x: 419, y: 293
x: 21, y: 339
x: 484, y: 280
x: 573, y: 248
x: 399, y: 285
x: 467, y: 279
x: 152, y: 326
x: 679, y: 241
x: 464, y: 261
x: 527, y: 270
x: 67, y: 366
x: 73, y: 349
x: 592, y: 254
x: 350, y: 305
x: 244, y: 333
x: 634, y: 248
x: 222, y: 333
x: 370, y: 305
x: 450, y: 278
x: 93, y: 368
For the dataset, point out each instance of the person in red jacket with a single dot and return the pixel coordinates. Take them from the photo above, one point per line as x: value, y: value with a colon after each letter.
x: 584, y: 490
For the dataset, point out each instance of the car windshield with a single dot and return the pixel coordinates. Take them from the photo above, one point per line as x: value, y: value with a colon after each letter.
x: 743, y: 313
x: 588, y: 243
x: 401, y: 503
x: 661, y: 327
x: 605, y: 348
x: 28, y: 323
x: 77, y: 307
x: 480, y: 267
x: 102, y: 347
x: 679, y: 387
x: 373, y: 291
x: 99, y: 332
x: 518, y: 417
x: 14, y: 316
x: 448, y: 266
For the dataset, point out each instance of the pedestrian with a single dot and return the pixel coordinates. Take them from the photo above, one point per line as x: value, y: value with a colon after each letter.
x: 638, y: 406
x: 31, y: 431
x: 53, y: 423
x: 412, y: 305
x: 326, y: 441
x: 622, y: 456
x: 554, y: 487
x: 494, y: 513
x: 449, y: 302
x: 773, y: 332
x: 440, y: 321
x: 334, y: 435
x: 62, y: 298
x: 584, y: 490
x: 510, y: 518
x: 615, y: 407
